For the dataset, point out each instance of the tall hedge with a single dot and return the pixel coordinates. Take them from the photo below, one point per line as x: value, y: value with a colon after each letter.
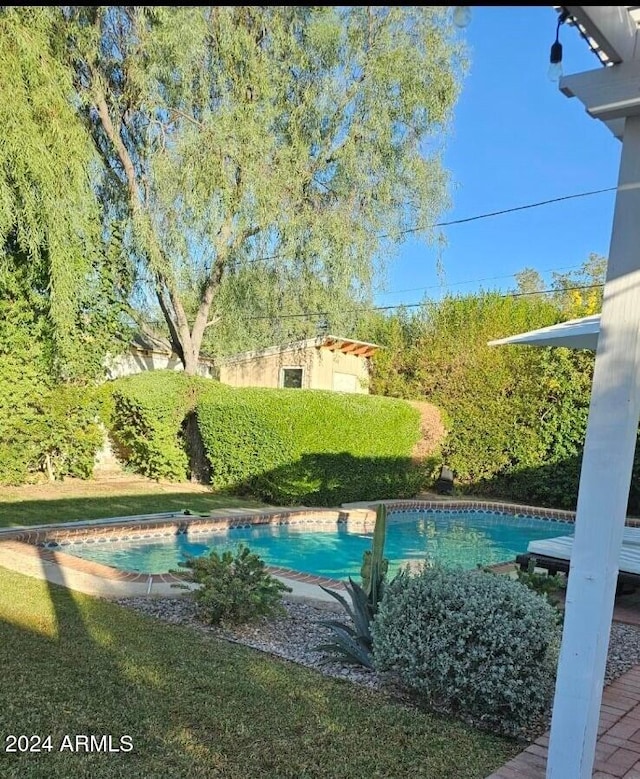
x: 149, y: 410
x: 313, y: 447
x: 516, y: 415
x: 239, y: 441
x: 47, y: 428
x: 286, y: 446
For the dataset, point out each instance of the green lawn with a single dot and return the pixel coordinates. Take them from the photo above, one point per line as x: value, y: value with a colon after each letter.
x: 197, y: 707
x: 20, y: 507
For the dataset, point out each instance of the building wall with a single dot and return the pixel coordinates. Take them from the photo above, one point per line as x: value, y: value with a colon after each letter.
x: 322, y: 369
x: 138, y: 362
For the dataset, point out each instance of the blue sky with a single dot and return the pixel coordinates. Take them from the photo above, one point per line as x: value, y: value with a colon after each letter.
x: 515, y: 139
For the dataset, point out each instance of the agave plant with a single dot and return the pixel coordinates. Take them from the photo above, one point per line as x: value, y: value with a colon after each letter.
x: 352, y: 643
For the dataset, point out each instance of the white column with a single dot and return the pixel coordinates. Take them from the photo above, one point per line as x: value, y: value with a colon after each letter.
x: 604, y: 486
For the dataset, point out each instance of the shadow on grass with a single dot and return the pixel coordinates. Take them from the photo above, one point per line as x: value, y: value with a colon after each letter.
x: 197, y: 707
x: 70, y: 509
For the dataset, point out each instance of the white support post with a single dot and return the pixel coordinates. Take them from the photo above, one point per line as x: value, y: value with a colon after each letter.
x: 604, y: 487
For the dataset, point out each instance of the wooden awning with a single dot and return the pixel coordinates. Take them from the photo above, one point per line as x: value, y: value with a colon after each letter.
x: 348, y: 346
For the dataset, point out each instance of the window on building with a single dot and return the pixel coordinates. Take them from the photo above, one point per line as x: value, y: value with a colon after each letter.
x: 291, y: 378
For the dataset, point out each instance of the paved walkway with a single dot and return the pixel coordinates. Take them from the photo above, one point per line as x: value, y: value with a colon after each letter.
x: 618, y: 747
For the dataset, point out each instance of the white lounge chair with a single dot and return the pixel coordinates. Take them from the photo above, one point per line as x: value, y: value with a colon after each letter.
x: 554, y: 554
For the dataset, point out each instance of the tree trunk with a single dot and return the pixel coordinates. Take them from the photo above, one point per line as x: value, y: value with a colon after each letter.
x: 190, y: 361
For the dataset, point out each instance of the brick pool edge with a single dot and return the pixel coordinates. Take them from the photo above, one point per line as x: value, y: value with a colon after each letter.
x: 44, y: 551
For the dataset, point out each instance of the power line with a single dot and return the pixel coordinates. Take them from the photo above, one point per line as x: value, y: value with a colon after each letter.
x: 417, y: 305
x: 465, y: 220
x: 516, y: 208
x: 478, y: 281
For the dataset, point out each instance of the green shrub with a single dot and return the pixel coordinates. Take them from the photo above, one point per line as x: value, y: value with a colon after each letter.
x: 353, y: 643
x: 549, y: 585
x: 324, y: 422
x: 45, y: 426
x: 307, y: 446
x: 515, y: 416
x: 336, y: 478
x: 69, y: 431
x: 149, y: 409
x: 472, y: 643
x: 239, y: 443
x: 234, y: 588
x: 103, y: 394
x: 25, y: 370
x: 344, y: 447
x: 286, y: 446
x: 55, y: 432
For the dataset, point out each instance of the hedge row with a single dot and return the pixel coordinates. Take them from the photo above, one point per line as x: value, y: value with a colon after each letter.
x: 149, y: 410
x: 45, y: 426
x: 318, y: 447
x: 516, y: 416
x: 286, y: 446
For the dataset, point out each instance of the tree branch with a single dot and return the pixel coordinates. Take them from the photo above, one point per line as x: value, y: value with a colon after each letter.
x: 176, y: 341
x: 224, y: 251
x: 198, y: 124
x: 120, y: 148
x: 179, y: 328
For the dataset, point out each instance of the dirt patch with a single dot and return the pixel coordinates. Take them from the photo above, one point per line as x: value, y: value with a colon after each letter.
x: 432, y: 429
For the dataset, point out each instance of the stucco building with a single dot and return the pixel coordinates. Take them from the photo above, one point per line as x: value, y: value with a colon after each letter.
x: 327, y: 362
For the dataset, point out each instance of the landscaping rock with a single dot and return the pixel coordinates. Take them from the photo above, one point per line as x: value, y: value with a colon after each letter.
x: 291, y: 636
x: 294, y: 635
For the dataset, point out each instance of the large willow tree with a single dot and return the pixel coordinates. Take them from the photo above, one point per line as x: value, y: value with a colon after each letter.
x: 51, y: 251
x: 262, y: 152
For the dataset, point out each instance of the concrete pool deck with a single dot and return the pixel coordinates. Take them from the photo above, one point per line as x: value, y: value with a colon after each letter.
x: 104, y: 581
x: 46, y: 551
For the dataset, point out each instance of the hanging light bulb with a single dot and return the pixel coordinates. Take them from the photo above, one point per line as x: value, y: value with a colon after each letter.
x: 555, y: 62
x: 555, y: 58
x: 461, y: 15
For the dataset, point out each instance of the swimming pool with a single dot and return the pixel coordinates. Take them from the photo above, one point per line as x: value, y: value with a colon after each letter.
x: 456, y: 539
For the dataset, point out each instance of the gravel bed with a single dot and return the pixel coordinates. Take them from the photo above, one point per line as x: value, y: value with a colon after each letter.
x: 624, y: 650
x: 291, y: 636
x: 294, y: 635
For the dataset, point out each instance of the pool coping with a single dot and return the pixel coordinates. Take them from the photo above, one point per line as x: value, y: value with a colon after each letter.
x: 39, y: 550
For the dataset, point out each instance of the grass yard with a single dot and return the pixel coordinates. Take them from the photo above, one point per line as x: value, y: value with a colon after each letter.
x: 197, y: 707
x: 75, y: 499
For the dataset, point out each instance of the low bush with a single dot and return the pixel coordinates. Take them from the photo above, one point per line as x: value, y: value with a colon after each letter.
x: 234, y: 587
x: 472, y: 643
x: 549, y: 585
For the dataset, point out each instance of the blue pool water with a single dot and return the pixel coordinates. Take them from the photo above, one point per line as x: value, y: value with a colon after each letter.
x: 464, y: 539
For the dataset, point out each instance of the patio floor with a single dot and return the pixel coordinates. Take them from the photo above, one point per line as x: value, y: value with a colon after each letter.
x: 618, y: 747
